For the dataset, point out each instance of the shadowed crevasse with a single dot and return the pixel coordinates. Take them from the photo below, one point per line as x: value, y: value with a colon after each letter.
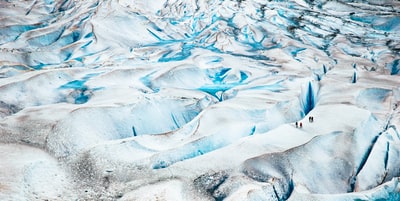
x: 309, y: 97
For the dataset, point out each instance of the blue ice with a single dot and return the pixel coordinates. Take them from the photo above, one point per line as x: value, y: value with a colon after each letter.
x: 392, y: 24
x: 11, y: 33
x: 363, y: 19
x: 372, y: 98
x: 184, y: 53
x: 213, y: 89
x: 196, y: 148
x: 46, y: 39
x: 274, y: 87
x: 293, y: 50
x: 75, y: 84
x: 309, y: 97
x: 68, y: 39
x: 218, y: 76
x: 394, y: 67
x: 166, y: 115
x: 188, y: 151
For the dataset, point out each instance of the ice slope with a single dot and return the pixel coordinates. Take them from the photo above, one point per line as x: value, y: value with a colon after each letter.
x: 197, y: 100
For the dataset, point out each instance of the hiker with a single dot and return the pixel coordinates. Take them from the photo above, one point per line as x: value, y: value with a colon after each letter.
x: 297, y: 124
x: 301, y: 125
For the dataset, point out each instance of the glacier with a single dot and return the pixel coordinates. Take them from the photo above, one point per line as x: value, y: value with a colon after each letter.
x: 198, y: 100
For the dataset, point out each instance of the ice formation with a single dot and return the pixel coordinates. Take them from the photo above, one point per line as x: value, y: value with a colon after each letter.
x: 197, y: 100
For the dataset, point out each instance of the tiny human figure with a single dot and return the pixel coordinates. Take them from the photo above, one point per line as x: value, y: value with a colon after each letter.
x: 309, y: 119
x: 312, y: 118
x: 301, y: 125
x: 297, y: 124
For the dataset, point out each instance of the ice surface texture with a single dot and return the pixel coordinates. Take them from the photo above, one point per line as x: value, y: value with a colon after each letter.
x: 197, y: 100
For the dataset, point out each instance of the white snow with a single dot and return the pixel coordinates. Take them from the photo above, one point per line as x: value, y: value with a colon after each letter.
x: 197, y: 100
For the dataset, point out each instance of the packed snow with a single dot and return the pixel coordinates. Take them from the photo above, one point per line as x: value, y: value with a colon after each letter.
x: 199, y: 100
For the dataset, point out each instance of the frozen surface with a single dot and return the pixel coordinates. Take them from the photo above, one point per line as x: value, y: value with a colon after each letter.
x: 197, y: 100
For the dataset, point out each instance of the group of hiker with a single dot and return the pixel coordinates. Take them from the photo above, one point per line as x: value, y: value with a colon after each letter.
x: 300, y: 124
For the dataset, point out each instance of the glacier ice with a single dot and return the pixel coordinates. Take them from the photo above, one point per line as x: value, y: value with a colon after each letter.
x: 197, y: 100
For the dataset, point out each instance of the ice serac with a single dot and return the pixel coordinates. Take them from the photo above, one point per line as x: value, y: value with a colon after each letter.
x: 198, y: 100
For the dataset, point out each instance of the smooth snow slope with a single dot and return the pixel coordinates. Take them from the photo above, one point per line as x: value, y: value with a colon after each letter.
x: 197, y: 100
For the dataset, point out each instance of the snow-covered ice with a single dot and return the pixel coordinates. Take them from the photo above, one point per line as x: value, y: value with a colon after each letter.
x: 197, y: 100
